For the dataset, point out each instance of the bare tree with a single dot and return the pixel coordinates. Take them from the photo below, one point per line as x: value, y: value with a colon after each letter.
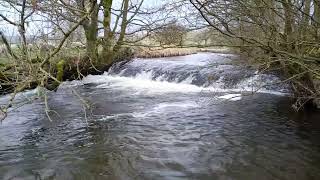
x: 282, y: 32
x: 22, y: 72
x: 172, y: 34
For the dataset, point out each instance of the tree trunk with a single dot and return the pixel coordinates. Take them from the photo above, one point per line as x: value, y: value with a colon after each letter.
x: 288, y: 29
x: 107, y: 54
x: 22, y: 32
x: 123, y: 26
x: 271, y: 17
x: 316, y: 19
x: 241, y: 34
x: 91, y: 48
x: 305, y: 19
x: 90, y: 27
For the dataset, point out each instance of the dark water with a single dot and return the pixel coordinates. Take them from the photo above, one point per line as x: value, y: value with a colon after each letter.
x: 163, y: 119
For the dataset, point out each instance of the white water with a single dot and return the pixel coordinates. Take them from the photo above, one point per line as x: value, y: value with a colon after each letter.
x: 196, y: 73
x: 231, y: 97
x: 143, y: 83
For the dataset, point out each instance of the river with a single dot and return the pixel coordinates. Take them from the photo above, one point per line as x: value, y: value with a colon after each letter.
x: 188, y: 117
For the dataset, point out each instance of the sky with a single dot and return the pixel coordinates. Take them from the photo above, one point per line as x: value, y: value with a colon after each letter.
x: 37, y: 26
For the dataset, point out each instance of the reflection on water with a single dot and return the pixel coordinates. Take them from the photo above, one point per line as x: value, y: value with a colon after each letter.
x: 140, y: 129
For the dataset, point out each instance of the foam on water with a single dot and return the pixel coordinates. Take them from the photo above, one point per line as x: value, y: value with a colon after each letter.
x: 187, y: 104
x: 144, y: 83
x: 187, y: 74
x: 231, y: 97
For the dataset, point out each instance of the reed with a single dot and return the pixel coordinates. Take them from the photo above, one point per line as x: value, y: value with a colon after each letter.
x: 143, y: 52
x: 167, y: 52
x: 218, y: 50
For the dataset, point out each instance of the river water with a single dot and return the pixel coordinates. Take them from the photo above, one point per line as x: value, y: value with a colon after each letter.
x: 190, y: 117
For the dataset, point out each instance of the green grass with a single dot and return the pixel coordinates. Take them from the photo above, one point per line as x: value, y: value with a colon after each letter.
x: 4, y: 60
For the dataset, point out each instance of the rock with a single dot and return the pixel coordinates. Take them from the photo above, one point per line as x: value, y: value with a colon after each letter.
x: 3, y: 115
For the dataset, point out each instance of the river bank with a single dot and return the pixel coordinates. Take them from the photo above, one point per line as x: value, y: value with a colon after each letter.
x: 75, y: 65
x: 67, y: 65
x: 144, y: 52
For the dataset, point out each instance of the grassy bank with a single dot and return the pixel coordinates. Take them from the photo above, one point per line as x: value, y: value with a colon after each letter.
x: 163, y: 52
x: 219, y: 50
x: 142, y: 52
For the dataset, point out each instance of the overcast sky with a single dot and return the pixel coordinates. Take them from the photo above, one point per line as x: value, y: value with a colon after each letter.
x: 35, y: 27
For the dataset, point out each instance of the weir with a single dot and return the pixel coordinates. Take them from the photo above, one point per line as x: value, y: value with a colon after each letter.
x: 202, y: 71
